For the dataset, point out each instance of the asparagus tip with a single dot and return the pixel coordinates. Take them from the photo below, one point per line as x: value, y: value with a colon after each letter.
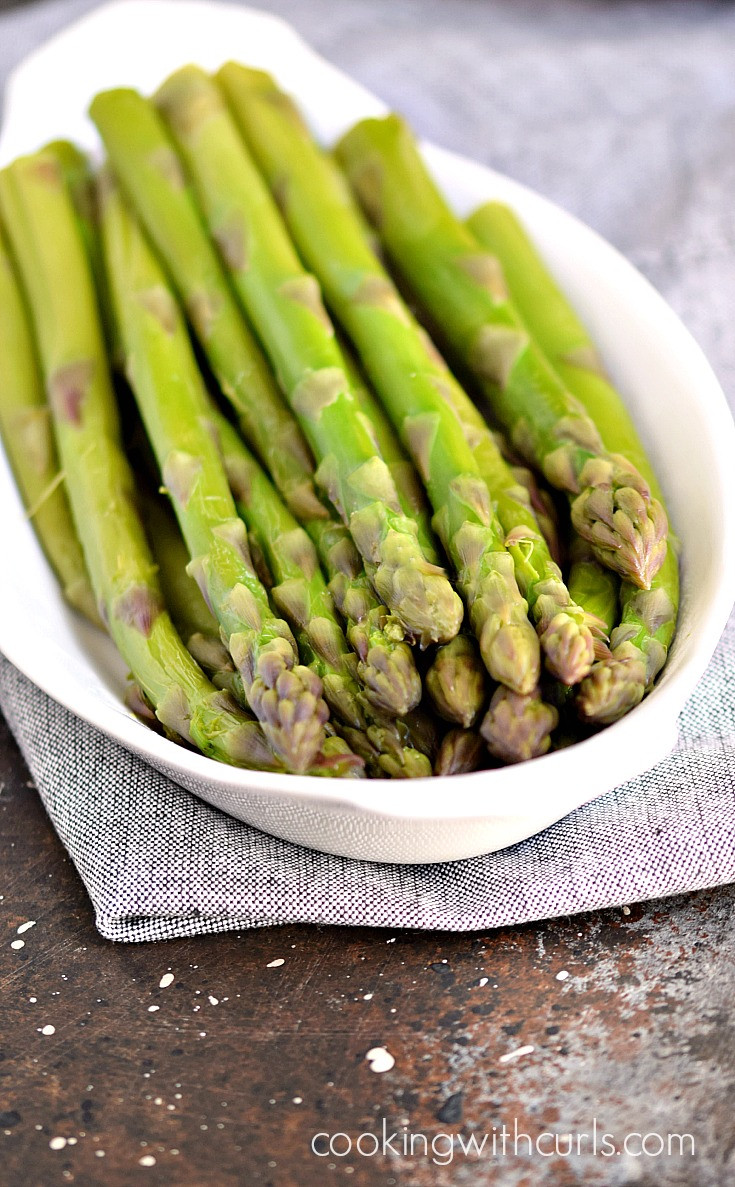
x: 613, y: 687
x: 390, y: 678
x: 419, y: 594
x: 460, y: 752
x: 625, y: 526
x: 569, y: 648
x: 287, y: 699
x: 457, y: 682
x: 512, y: 655
x: 517, y: 728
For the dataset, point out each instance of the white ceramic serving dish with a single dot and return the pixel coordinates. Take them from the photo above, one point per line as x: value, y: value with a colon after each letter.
x: 678, y: 404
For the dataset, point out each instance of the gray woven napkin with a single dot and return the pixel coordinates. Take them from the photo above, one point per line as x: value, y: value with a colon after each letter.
x: 625, y: 114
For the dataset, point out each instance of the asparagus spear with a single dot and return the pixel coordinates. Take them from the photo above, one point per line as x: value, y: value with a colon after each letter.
x: 408, y: 484
x: 146, y: 163
x: 27, y: 435
x: 46, y: 242
x: 183, y: 599
x: 456, y: 681
x: 460, y: 752
x: 301, y: 595
x: 563, y: 630
x: 395, y: 356
x: 463, y: 288
x: 197, y: 625
x: 284, y: 303
x: 639, y: 645
x: 542, y: 504
x: 595, y: 588
x: 79, y: 178
x: 284, y: 694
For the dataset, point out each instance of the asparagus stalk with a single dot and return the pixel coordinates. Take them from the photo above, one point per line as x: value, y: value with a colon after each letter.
x: 640, y: 643
x: 284, y: 303
x: 463, y: 289
x: 27, y: 435
x: 408, y: 484
x: 285, y: 695
x: 456, y: 681
x: 460, y: 751
x: 394, y: 353
x: 542, y: 504
x: 79, y: 179
x: 146, y: 163
x: 47, y: 245
x: 596, y: 589
x: 301, y: 595
x: 183, y: 599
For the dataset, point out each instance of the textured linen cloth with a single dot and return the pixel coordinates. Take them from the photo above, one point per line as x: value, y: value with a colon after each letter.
x: 625, y: 114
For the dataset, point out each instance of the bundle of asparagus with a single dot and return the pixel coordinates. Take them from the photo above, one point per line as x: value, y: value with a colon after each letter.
x: 301, y: 608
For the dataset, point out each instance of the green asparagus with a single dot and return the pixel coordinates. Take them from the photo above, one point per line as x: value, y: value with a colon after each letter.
x: 199, y: 628
x: 640, y: 643
x: 517, y: 728
x: 408, y: 484
x: 456, y: 681
x: 394, y: 353
x: 595, y: 588
x: 183, y: 599
x: 285, y: 695
x: 460, y: 752
x: 148, y: 168
x: 463, y: 289
x: 541, y: 501
x: 27, y: 435
x: 284, y: 303
x: 330, y: 235
x: 52, y: 263
x: 301, y: 595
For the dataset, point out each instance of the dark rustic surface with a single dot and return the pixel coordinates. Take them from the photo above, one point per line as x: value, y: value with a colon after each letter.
x: 636, y: 1035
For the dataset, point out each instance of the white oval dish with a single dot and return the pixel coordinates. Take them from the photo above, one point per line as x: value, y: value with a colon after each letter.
x: 678, y: 404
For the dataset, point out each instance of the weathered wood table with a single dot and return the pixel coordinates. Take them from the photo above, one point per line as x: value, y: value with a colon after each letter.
x: 239, y: 1059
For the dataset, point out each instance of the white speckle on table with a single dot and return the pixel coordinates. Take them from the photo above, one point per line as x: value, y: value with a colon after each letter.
x: 275, y: 964
x: 380, y: 1059
x: 17, y: 944
x: 366, y: 997
x: 511, y: 1055
x: 562, y: 975
x: 147, y: 1160
x: 48, y: 1030
x: 297, y: 1100
x: 57, y: 1143
x: 166, y: 980
x: 26, y: 926
x: 483, y: 981
x: 213, y: 1001
x: 33, y: 1000
x: 626, y: 911
x: 71, y: 1141
x: 152, y: 1009
x: 99, y: 1153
